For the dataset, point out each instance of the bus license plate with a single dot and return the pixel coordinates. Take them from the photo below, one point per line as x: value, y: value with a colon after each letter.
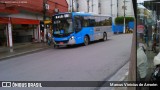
x: 61, y: 43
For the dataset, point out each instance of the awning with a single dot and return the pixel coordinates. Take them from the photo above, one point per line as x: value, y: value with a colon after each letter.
x: 5, y: 20
x: 24, y: 21
x: 9, y: 11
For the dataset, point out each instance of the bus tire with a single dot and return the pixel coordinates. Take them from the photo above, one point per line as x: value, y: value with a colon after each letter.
x: 56, y: 46
x: 86, y: 40
x: 68, y: 46
x: 104, y: 36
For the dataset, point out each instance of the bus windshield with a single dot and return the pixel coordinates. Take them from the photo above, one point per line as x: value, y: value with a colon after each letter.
x: 63, y: 27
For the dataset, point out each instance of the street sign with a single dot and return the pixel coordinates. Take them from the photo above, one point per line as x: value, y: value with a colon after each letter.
x: 47, y: 6
x: 140, y: 29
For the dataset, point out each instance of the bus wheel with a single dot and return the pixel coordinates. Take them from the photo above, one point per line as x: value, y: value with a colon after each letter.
x: 86, y: 40
x: 104, y: 36
x: 68, y: 46
x: 56, y: 46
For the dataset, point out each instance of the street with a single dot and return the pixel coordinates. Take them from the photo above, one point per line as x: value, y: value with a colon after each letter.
x: 95, y: 62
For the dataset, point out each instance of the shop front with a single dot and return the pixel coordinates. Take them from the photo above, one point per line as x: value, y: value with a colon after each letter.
x: 23, y: 33
x: 3, y: 32
x: 18, y: 30
x: 24, y: 30
x: 3, y: 35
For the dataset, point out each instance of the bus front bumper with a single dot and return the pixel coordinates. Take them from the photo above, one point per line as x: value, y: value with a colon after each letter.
x: 71, y: 41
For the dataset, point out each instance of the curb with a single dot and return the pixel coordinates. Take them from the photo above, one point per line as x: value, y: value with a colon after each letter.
x: 120, y: 75
x: 125, y: 77
x: 22, y: 53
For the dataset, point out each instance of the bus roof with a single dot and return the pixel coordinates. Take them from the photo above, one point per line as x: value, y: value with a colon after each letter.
x: 76, y: 13
x: 83, y: 14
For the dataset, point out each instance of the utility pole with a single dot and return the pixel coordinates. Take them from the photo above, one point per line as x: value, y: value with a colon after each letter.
x: 43, y: 32
x: 77, y: 5
x: 99, y: 6
x: 72, y: 5
x: 111, y: 7
x: 44, y: 9
x: 117, y: 8
x: 124, y: 7
x: 92, y: 5
x: 88, y: 5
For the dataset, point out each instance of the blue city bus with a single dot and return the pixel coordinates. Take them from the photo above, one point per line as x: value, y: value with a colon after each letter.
x: 79, y: 28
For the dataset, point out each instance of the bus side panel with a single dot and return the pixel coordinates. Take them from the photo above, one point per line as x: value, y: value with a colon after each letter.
x: 89, y: 31
x: 98, y: 31
x: 108, y: 30
x: 85, y: 31
x: 78, y: 38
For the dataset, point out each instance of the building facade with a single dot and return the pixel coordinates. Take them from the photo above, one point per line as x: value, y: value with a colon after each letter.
x: 114, y: 8
x: 102, y: 6
x: 20, y: 21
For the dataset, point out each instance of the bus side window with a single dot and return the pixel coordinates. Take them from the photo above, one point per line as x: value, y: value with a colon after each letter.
x: 97, y: 21
x: 91, y: 21
x: 86, y: 21
x: 103, y: 21
x: 78, y: 24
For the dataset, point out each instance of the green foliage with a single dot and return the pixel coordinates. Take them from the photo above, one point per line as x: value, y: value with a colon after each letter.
x: 120, y: 20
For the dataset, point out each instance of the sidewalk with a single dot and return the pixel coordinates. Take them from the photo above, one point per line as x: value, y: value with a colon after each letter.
x: 20, y: 49
x: 120, y: 75
x: 150, y: 56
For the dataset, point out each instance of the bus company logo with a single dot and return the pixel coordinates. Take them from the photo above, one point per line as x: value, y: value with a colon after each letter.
x: 6, y: 84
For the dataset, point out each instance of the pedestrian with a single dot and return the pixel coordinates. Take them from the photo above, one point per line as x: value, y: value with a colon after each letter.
x: 146, y: 35
x: 48, y: 37
x: 42, y: 36
x: 155, y: 77
x: 142, y: 64
x: 154, y: 41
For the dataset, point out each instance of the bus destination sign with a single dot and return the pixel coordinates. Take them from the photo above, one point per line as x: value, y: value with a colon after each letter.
x: 63, y: 16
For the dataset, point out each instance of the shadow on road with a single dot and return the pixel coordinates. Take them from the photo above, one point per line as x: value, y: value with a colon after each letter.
x: 80, y: 45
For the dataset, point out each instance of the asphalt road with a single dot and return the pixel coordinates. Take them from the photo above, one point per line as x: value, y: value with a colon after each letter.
x: 95, y: 62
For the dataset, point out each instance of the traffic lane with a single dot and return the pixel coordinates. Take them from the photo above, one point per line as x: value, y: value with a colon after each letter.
x: 94, y: 62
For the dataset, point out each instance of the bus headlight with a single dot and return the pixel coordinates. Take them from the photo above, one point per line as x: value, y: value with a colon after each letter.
x: 72, y: 37
x: 72, y: 40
